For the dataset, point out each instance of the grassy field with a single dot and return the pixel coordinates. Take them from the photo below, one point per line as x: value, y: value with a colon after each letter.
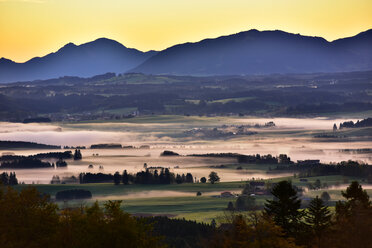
x: 200, y: 208
x: 105, y: 189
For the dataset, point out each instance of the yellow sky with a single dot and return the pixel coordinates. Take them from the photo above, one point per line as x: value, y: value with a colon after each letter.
x: 31, y: 28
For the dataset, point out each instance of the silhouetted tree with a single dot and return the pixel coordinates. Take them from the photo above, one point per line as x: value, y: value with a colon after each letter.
x: 230, y: 206
x: 353, y: 222
x: 325, y: 196
x: 318, y: 219
x: 117, y: 178
x: 284, y: 208
x: 125, y: 178
x: 203, y: 180
x: 213, y: 177
x: 77, y: 155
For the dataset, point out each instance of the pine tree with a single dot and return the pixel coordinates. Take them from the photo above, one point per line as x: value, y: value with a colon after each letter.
x: 318, y: 219
x: 125, y: 177
x: 284, y: 208
x: 356, y: 195
x: 13, y: 179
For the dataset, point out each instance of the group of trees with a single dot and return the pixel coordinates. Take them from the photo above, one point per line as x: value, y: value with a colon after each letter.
x: 8, y: 179
x: 263, y: 159
x: 316, y: 223
x: 56, y: 155
x: 30, y: 219
x: 35, y: 161
x: 284, y: 224
x: 95, y: 178
x: 25, y: 163
x: 350, y: 124
x: 152, y: 176
x: 149, y: 176
x: 5, y: 144
x: 77, y: 155
x: 344, y: 168
x: 181, y: 232
x: 250, y: 159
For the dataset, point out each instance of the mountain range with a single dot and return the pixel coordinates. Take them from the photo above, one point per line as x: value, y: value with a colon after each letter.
x: 86, y: 60
x: 249, y: 52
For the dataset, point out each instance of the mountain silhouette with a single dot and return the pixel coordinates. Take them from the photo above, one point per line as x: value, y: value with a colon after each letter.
x: 249, y: 52
x: 266, y: 52
x: 86, y: 60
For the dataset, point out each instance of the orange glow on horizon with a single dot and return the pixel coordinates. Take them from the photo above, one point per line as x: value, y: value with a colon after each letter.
x: 32, y: 28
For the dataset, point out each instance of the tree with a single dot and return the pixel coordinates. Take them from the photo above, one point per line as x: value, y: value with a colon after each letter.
x: 245, y: 202
x: 230, y: 206
x: 189, y: 178
x: 252, y: 232
x: 117, y: 178
x: 178, y: 179
x: 284, y: 208
x: 13, y: 179
x: 8, y: 179
x: 203, y: 180
x: 317, y: 184
x: 61, y: 163
x: 125, y: 177
x: 325, y: 196
x: 356, y: 195
x: 28, y: 218
x: 213, y: 177
x: 334, y: 127
x: 213, y: 223
x: 77, y: 155
x: 353, y: 222
x: 318, y: 219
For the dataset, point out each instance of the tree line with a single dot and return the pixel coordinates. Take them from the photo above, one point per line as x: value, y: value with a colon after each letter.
x: 56, y: 155
x: 250, y: 159
x: 350, y: 124
x: 8, y: 179
x: 149, y: 176
x: 344, y: 168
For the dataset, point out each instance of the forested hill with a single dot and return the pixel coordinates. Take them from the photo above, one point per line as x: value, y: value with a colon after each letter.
x: 25, y: 145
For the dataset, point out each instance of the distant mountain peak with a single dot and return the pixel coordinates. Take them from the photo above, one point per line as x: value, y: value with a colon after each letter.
x: 262, y: 52
x: 68, y: 46
x: 86, y: 60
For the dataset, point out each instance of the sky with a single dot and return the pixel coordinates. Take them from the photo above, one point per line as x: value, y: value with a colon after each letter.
x: 30, y: 28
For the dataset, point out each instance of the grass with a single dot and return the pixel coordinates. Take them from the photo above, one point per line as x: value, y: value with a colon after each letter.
x: 122, y: 111
x: 109, y: 189
x: 237, y: 99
